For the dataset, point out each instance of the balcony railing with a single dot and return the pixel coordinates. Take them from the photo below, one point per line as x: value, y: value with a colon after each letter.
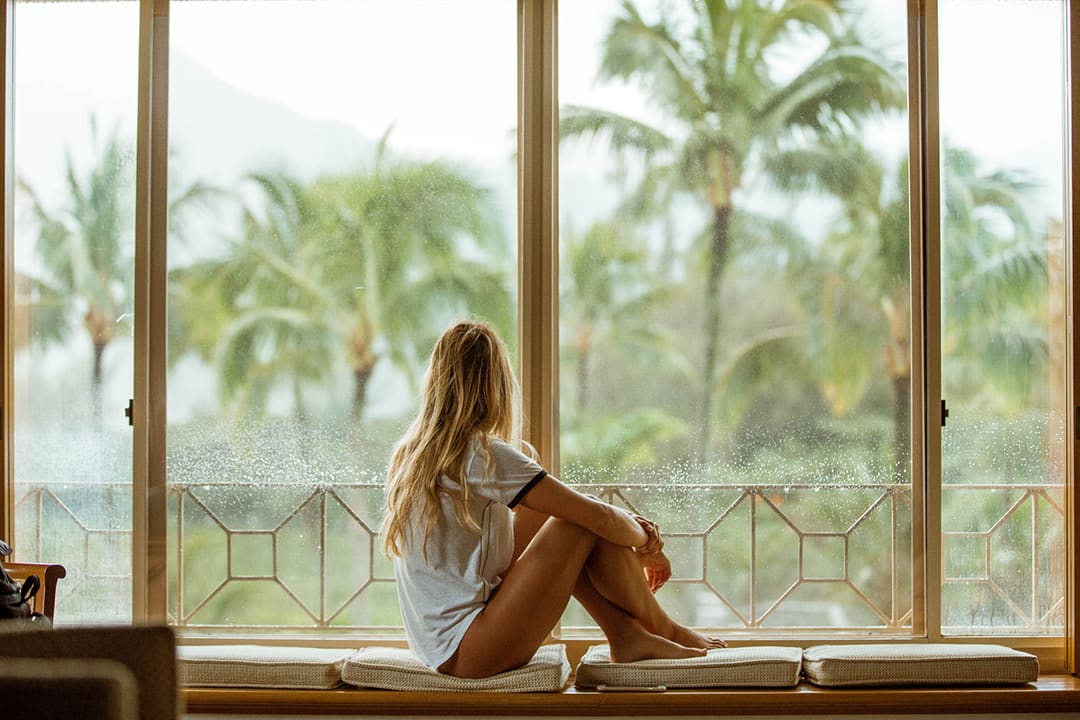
x: 754, y: 557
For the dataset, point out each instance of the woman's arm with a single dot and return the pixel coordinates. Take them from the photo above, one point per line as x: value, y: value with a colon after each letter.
x: 551, y: 497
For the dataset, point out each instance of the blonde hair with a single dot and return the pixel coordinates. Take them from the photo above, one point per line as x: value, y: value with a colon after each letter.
x: 468, y: 393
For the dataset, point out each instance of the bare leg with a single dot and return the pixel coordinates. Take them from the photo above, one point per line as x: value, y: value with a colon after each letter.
x: 532, y: 597
x: 616, y: 574
x: 627, y: 638
x: 609, y: 617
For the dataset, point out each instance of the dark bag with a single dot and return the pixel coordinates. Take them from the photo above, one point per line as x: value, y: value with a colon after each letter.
x: 15, y: 599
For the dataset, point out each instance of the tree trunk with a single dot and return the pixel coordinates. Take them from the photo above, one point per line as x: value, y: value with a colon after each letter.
x: 718, y: 254
x: 101, y: 328
x: 361, y: 376
x: 897, y: 361
x: 95, y: 383
x: 901, y: 427
x: 583, y: 382
x: 583, y: 342
x: 360, y: 380
x: 362, y: 361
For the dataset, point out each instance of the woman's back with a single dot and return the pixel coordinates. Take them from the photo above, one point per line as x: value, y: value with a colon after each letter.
x: 442, y: 593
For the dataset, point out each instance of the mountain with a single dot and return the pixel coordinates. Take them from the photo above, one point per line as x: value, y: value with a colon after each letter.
x: 219, y: 132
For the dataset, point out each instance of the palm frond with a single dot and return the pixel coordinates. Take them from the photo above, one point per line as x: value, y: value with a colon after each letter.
x: 831, y: 96
x: 622, y: 133
x: 632, y: 43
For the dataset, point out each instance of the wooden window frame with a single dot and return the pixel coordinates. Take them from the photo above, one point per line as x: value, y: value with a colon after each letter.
x: 538, y: 297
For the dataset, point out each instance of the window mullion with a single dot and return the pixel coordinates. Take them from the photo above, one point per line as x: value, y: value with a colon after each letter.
x: 925, y: 317
x: 538, y: 226
x: 7, y: 167
x: 148, y: 452
x: 1072, y: 517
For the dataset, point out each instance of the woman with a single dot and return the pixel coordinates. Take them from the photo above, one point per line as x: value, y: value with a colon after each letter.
x: 488, y: 547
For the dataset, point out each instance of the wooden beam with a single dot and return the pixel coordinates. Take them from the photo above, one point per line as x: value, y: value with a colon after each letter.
x: 7, y: 277
x: 538, y: 213
x: 1072, y: 460
x: 1051, y: 694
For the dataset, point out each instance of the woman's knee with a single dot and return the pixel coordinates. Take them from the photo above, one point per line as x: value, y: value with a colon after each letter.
x: 570, y: 533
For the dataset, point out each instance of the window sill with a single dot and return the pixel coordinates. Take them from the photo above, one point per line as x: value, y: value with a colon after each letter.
x: 1051, y: 694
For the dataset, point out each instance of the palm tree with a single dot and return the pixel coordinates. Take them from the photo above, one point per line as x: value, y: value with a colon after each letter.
x: 261, y: 311
x: 994, y: 279
x: 87, y: 245
x: 726, y: 111
x: 856, y: 284
x: 606, y: 294
x: 992, y: 260
x: 87, y: 249
x: 607, y: 301
x: 411, y: 245
x: 356, y: 267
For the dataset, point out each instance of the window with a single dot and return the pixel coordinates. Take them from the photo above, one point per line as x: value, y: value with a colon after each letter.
x: 738, y: 354
x: 73, y: 305
x: 734, y: 302
x: 1002, y: 319
x: 337, y: 215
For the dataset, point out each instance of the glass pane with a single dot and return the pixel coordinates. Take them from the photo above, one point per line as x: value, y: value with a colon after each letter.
x: 75, y: 83
x: 734, y: 308
x: 1003, y: 315
x: 333, y: 208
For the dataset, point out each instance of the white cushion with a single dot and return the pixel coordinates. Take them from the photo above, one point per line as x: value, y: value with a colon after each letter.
x: 398, y: 669
x: 261, y: 666
x: 918, y: 664
x: 763, y: 666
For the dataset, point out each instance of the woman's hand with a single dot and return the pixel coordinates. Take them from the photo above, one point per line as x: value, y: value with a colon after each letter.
x: 657, y: 569
x: 651, y: 555
x: 655, y: 543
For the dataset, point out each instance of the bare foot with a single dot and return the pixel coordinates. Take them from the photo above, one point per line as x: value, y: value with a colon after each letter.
x: 637, y: 643
x: 693, y: 639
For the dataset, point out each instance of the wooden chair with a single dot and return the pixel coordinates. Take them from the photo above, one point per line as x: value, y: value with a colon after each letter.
x: 48, y: 574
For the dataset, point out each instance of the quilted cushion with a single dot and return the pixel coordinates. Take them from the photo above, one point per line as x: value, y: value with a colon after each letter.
x: 918, y: 664
x: 261, y: 666
x: 723, y: 667
x: 397, y: 669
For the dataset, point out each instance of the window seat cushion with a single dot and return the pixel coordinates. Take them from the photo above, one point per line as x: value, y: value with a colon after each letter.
x: 918, y: 665
x: 396, y: 669
x: 261, y: 666
x: 720, y: 668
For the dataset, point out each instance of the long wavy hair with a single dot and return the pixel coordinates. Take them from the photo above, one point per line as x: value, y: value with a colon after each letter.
x: 469, y: 392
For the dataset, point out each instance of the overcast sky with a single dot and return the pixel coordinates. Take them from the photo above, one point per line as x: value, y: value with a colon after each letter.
x: 452, y: 84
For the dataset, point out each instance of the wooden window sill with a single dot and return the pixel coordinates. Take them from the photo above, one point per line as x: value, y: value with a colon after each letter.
x: 1051, y: 694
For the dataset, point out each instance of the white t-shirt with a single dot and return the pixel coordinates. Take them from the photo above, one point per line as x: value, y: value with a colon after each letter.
x: 440, y: 598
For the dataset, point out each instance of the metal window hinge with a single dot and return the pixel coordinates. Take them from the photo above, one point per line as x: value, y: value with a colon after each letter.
x: 944, y: 412
x: 129, y: 412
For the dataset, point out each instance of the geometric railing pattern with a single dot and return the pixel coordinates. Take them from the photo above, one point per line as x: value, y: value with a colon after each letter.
x: 1011, y: 565
x: 754, y: 557
x: 790, y: 548
x: 252, y: 555
x: 87, y: 527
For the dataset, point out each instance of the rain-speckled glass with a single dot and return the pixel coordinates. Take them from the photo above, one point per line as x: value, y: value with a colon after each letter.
x: 75, y: 83
x: 342, y: 187
x: 1003, y: 316
x: 734, y: 302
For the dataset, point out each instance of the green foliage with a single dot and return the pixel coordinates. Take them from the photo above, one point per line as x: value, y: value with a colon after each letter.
x: 86, y: 244
x: 342, y: 272
x: 706, y: 67
x: 994, y: 286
